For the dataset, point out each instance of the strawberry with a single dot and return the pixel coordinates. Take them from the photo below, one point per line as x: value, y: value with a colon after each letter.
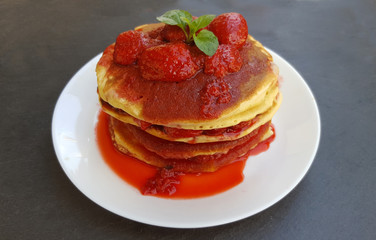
x: 197, y: 55
x: 215, y: 92
x: 173, y: 33
x: 152, y: 30
x: 151, y: 42
x: 230, y: 28
x: 168, y: 62
x: 226, y: 59
x: 164, y: 182
x: 128, y: 47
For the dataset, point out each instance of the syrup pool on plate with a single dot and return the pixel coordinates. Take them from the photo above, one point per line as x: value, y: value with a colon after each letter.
x: 146, y: 178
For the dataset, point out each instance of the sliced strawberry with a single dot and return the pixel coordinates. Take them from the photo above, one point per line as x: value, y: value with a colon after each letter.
x: 230, y: 28
x: 168, y: 62
x: 226, y: 59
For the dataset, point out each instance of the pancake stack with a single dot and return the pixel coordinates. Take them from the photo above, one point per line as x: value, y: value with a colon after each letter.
x: 185, y: 125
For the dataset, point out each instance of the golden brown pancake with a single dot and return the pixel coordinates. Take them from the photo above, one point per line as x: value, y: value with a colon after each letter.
x: 178, y: 104
x: 205, y: 157
x: 262, y: 118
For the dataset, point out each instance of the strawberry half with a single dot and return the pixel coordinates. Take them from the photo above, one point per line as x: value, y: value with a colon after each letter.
x: 230, y: 28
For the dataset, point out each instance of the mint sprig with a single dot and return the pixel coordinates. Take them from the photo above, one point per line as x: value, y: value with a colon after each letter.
x: 205, y: 40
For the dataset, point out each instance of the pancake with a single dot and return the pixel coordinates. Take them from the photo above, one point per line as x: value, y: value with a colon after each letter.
x: 262, y: 118
x: 186, y: 125
x: 178, y: 104
x: 205, y: 157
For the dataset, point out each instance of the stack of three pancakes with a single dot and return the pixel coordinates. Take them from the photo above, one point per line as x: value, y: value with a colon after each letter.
x: 173, y: 125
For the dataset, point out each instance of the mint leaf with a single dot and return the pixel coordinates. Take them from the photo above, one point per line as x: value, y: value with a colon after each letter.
x: 169, y: 21
x: 203, y: 21
x: 191, y: 27
x: 173, y: 17
x: 185, y: 14
x: 206, y: 41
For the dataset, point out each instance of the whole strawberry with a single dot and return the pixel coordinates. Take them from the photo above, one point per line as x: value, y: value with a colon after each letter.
x: 230, y: 28
x: 129, y: 46
x: 226, y: 59
x: 168, y: 62
x: 172, y: 33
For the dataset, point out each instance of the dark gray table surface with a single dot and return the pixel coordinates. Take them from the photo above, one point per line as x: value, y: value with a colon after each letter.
x: 331, y: 43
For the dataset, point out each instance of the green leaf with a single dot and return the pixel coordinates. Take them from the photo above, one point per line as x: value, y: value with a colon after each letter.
x: 185, y: 14
x: 173, y: 17
x: 166, y: 20
x: 206, y: 41
x: 191, y: 27
x: 187, y: 21
x: 203, y: 21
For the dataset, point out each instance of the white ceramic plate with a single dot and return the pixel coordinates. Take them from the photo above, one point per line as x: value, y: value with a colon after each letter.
x: 268, y: 177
